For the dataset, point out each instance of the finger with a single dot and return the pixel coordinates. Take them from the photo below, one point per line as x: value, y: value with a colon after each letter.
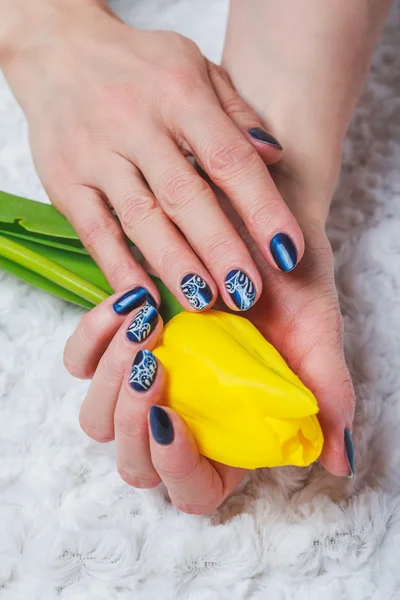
x: 244, y: 116
x: 142, y: 387
x: 103, y: 238
x: 195, y: 485
x: 331, y: 383
x: 323, y: 369
x: 235, y: 166
x: 139, y: 330
x: 189, y: 202
x: 97, y: 327
x: 165, y: 249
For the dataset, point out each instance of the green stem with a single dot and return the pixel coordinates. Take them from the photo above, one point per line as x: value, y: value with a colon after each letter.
x: 50, y: 270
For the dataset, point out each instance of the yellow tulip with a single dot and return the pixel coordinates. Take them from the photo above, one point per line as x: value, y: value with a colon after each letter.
x: 243, y: 404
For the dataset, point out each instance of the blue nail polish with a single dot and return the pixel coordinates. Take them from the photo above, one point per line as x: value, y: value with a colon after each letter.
x: 264, y: 136
x: 151, y: 300
x: 284, y: 252
x: 130, y: 300
x: 196, y: 291
x: 161, y: 426
x: 349, y: 450
x: 143, y: 372
x: 143, y: 324
x: 241, y: 289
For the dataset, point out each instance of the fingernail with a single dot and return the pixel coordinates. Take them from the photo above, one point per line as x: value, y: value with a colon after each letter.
x: 284, y: 252
x: 196, y: 291
x: 143, y: 324
x: 349, y: 450
x: 143, y: 372
x: 151, y: 300
x: 241, y: 289
x: 161, y: 426
x: 264, y: 136
x: 130, y: 300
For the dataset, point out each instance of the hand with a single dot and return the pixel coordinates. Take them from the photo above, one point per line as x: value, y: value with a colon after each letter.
x: 298, y: 313
x: 113, y: 113
x: 128, y: 382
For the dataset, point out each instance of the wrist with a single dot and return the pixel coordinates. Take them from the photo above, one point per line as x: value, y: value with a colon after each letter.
x: 25, y: 25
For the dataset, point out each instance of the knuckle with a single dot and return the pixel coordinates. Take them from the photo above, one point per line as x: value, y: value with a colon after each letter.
x: 166, y: 259
x: 133, y: 208
x: 233, y: 105
x: 259, y: 217
x: 113, y: 368
x: 103, y: 435
x: 228, y: 159
x: 136, y: 481
x: 184, y: 82
x: 97, y: 231
x: 129, y: 424
x: 217, y: 246
x: 180, y: 189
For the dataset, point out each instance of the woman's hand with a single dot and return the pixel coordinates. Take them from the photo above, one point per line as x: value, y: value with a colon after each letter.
x: 113, y: 113
x: 298, y: 313
x: 125, y: 401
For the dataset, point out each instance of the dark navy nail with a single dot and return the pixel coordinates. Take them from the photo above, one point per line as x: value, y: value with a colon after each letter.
x: 151, y: 300
x: 349, y: 450
x: 264, y: 136
x: 143, y: 324
x: 196, y: 291
x: 241, y: 289
x: 130, y: 300
x: 143, y: 372
x: 284, y: 252
x: 161, y: 426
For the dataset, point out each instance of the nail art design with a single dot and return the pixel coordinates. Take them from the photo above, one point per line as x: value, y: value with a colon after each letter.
x: 143, y: 324
x: 196, y: 291
x: 284, y: 252
x: 241, y: 289
x: 130, y: 300
x: 349, y: 450
x: 264, y: 136
x: 161, y: 426
x: 143, y: 372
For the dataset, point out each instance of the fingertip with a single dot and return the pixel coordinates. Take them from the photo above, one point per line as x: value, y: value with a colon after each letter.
x: 337, y: 456
x: 267, y: 146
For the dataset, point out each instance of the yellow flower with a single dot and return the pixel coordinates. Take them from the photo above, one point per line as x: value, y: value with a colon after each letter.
x: 243, y: 404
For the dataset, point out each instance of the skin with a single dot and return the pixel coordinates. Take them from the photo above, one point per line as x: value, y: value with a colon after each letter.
x: 113, y: 112
x: 297, y: 312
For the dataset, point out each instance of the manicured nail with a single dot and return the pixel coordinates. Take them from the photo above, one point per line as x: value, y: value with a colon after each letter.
x: 241, y: 289
x: 264, y: 136
x: 143, y: 324
x: 349, y: 449
x: 284, y: 252
x: 143, y: 372
x: 130, y: 300
x: 151, y: 300
x: 161, y: 426
x: 196, y: 291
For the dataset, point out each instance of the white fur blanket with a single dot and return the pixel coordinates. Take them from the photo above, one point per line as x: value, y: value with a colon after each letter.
x: 70, y: 529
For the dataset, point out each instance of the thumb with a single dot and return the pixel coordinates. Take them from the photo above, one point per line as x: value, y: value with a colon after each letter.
x: 325, y: 372
x: 244, y: 116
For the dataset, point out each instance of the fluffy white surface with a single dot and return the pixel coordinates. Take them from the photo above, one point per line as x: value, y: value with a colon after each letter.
x: 70, y: 529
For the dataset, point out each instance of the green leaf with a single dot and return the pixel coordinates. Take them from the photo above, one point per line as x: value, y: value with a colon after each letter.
x: 82, y: 265
x: 35, y: 217
x: 12, y: 251
x: 43, y: 283
x: 38, y: 245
